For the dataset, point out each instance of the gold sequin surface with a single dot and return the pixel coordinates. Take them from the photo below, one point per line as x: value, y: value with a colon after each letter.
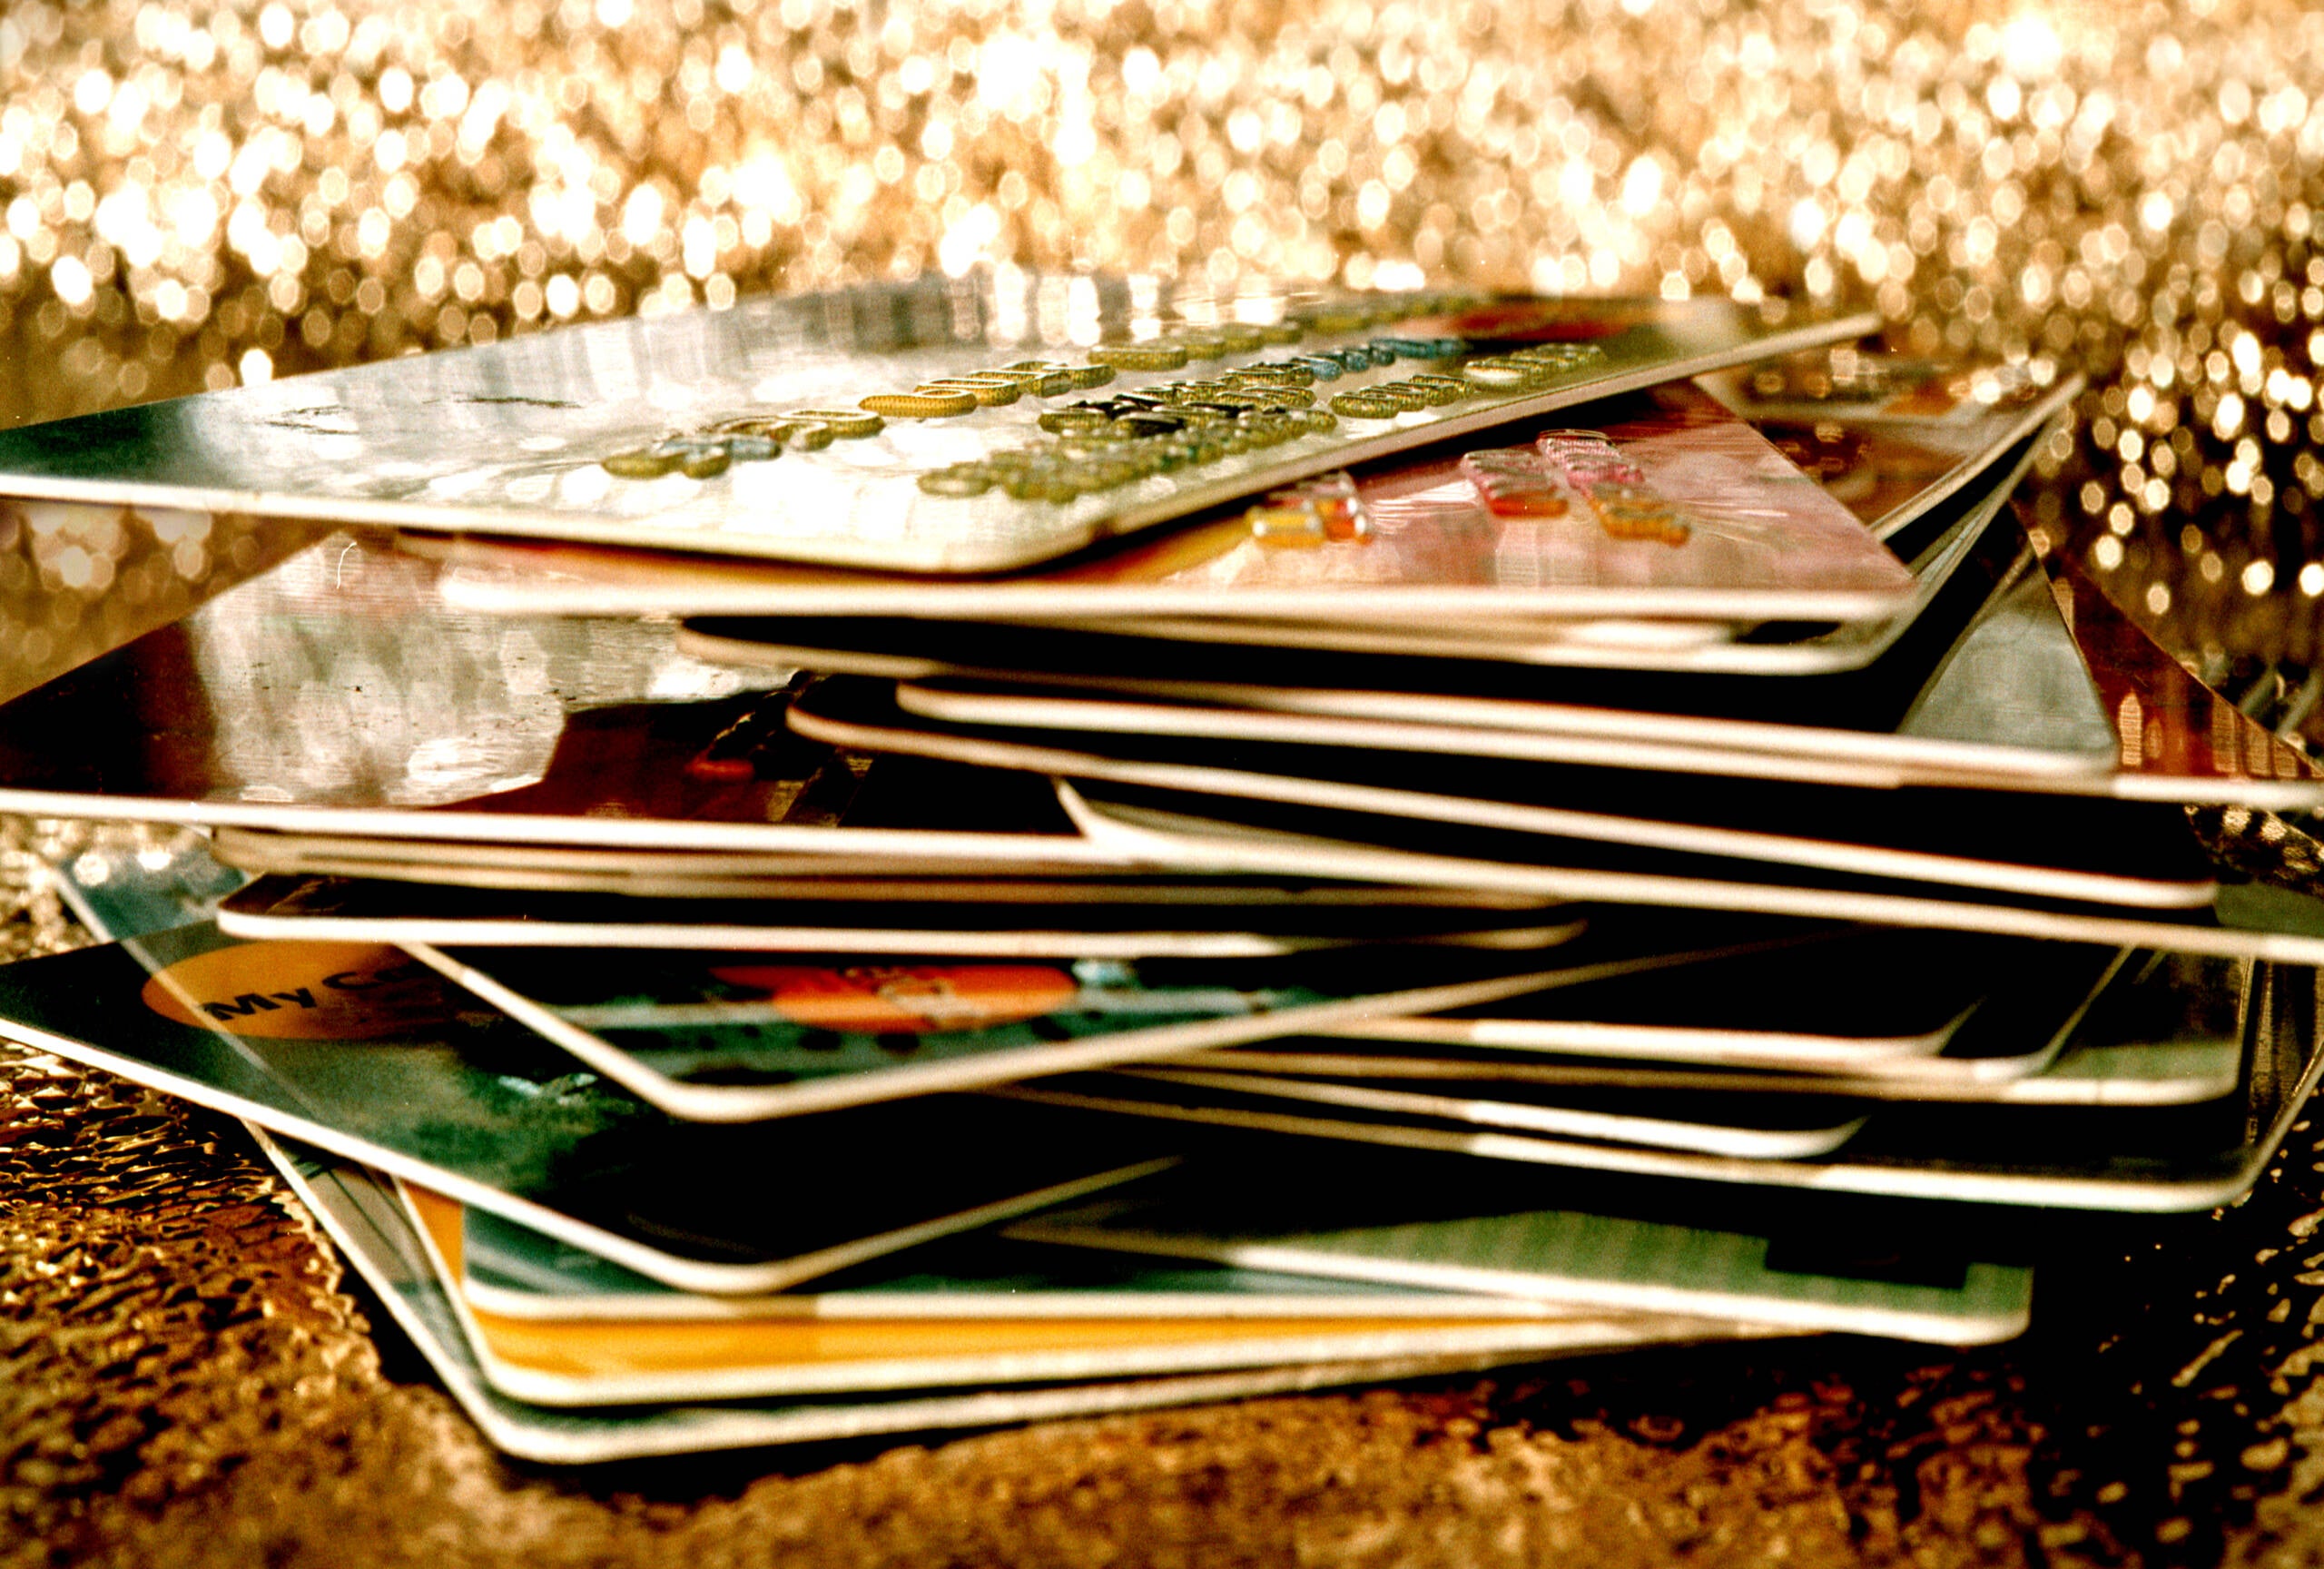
x: 196, y: 194
x: 190, y: 194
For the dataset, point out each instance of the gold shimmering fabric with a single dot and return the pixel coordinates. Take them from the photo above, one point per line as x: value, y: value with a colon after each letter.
x: 192, y: 195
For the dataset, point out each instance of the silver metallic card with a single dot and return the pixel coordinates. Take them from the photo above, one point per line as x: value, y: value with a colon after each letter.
x: 625, y: 432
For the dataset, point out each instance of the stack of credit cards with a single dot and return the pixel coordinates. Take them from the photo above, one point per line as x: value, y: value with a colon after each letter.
x: 954, y: 854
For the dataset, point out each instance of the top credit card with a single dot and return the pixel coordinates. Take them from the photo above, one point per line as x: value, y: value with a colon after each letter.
x: 941, y: 426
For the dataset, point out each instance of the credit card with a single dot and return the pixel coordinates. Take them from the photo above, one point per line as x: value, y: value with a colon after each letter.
x: 2099, y: 852
x: 1245, y: 564
x: 363, y: 1050
x: 1661, y: 503
x: 635, y: 1361
x: 739, y: 1036
x: 333, y: 695
x: 2163, y: 1159
x: 871, y: 429
x: 1393, y: 1221
x: 362, y: 1214
x: 302, y: 909
x: 516, y: 1272
x: 2174, y: 1037
x: 1469, y: 650
x: 2247, y: 920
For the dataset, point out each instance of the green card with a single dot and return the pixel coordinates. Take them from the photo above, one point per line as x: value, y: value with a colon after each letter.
x: 1391, y: 1226
x: 361, y: 1050
x: 360, y: 1211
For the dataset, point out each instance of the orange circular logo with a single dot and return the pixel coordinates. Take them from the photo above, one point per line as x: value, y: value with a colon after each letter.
x: 916, y: 999
x: 301, y: 992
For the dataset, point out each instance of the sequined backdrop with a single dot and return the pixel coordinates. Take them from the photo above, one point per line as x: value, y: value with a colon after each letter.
x: 193, y: 194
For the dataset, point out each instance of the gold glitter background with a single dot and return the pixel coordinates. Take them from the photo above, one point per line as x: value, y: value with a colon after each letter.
x: 190, y: 194
x: 194, y: 194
